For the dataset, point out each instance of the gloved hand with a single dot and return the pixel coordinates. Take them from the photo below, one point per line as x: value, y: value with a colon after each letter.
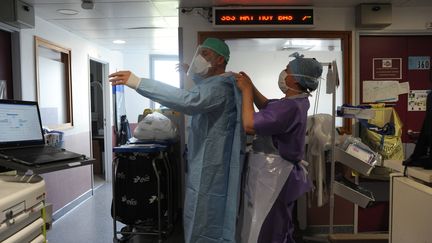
x: 182, y: 67
x: 124, y: 78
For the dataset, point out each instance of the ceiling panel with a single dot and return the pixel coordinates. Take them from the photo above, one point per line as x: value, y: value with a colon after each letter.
x: 140, y: 33
x: 111, y: 23
x: 138, y: 21
x: 127, y: 9
x: 49, y: 11
x: 168, y: 8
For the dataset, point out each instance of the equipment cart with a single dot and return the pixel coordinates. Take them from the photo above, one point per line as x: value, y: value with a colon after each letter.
x: 142, y: 191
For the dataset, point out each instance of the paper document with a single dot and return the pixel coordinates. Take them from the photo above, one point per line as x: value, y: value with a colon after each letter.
x: 380, y: 91
x: 404, y: 88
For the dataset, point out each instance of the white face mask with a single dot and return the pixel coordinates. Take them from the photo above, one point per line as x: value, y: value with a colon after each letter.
x: 282, y: 83
x: 199, y: 67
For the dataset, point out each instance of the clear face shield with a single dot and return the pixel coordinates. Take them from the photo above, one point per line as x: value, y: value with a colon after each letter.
x: 199, y: 66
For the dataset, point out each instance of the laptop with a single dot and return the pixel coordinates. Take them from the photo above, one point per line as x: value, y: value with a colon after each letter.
x: 21, y: 135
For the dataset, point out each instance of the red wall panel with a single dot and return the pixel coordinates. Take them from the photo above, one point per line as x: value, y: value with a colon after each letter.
x: 6, y: 61
x: 398, y: 47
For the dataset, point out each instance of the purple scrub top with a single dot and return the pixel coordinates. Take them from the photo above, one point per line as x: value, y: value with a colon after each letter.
x: 285, y: 120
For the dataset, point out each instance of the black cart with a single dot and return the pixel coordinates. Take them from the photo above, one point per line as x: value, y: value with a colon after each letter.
x: 142, y: 191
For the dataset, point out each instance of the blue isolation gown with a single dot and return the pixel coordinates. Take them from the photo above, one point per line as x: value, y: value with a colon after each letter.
x: 215, y: 153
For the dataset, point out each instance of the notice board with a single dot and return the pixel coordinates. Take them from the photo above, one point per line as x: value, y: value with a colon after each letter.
x: 400, y: 59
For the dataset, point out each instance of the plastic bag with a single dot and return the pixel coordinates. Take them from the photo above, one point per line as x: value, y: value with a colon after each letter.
x: 265, y: 176
x: 156, y: 127
x: 124, y: 133
x: 383, y: 133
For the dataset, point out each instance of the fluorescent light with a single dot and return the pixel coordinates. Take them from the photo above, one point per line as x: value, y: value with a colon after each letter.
x: 67, y: 11
x: 119, y: 41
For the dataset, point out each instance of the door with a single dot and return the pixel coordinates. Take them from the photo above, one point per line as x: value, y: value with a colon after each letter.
x: 100, y: 131
x: 414, y: 52
x: 408, y: 59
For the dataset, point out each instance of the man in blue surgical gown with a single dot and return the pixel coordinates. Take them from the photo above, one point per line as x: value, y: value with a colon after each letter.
x: 215, y: 140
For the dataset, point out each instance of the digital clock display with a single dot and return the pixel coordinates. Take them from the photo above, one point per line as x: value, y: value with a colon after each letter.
x: 263, y: 16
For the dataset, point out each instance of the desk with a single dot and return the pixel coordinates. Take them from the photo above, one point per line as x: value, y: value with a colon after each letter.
x: 45, y: 168
x: 410, y: 204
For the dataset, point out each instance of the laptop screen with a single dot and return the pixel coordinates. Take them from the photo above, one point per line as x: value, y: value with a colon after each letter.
x: 20, y: 124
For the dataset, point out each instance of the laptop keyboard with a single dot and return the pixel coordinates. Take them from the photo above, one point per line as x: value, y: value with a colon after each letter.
x: 31, y: 151
x: 37, y: 155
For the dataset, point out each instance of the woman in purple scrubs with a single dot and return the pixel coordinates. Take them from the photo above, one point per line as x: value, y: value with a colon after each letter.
x: 285, y: 121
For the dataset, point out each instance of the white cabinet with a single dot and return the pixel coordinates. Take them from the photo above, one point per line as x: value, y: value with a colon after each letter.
x: 410, y: 204
x: 22, y: 203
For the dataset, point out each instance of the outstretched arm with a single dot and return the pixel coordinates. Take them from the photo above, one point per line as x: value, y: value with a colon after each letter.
x: 195, y: 101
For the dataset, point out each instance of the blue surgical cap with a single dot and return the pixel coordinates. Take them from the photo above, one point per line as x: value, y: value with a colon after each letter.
x: 218, y: 46
x: 309, y: 69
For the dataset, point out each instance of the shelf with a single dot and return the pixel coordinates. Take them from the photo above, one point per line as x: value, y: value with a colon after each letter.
x: 355, y: 112
x: 352, y: 162
x: 48, y: 167
x: 352, y: 195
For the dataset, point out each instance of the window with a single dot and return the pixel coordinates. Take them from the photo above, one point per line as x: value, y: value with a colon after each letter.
x: 54, y: 87
x: 163, y: 68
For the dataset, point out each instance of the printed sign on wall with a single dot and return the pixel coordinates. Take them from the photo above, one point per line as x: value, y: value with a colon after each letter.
x: 417, y: 100
x: 387, y: 68
x: 418, y: 63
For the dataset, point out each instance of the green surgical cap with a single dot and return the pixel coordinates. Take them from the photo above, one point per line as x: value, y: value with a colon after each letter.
x: 217, y: 46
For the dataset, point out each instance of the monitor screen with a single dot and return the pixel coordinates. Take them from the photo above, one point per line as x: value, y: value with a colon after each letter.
x: 20, y: 123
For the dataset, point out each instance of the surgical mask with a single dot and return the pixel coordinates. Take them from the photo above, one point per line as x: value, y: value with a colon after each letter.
x: 282, y: 83
x: 198, y: 68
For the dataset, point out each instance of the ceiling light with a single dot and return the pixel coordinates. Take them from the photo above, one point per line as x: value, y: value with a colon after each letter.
x: 67, y: 11
x: 296, y: 48
x: 299, y: 44
x: 119, y: 41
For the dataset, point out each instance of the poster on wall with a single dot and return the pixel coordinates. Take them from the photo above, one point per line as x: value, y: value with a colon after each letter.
x: 383, y: 91
x: 418, y: 63
x: 417, y: 100
x: 387, y: 68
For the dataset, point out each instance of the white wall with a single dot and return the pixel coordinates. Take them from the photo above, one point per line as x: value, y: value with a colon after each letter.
x: 81, y: 50
x: 139, y: 64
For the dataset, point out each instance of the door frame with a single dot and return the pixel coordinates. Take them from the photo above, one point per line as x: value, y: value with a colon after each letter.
x: 108, y: 133
x: 346, y: 47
